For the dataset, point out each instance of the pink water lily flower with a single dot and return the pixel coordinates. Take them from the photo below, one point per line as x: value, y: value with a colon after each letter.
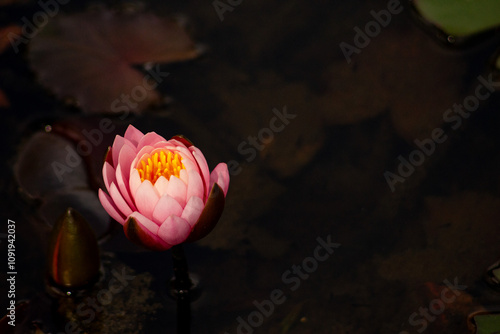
x: 160, y: 190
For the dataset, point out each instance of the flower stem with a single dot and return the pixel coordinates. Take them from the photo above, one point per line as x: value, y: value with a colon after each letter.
x: 181, y: 289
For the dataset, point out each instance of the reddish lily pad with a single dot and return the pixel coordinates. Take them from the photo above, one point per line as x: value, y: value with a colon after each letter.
x: 88, y: 56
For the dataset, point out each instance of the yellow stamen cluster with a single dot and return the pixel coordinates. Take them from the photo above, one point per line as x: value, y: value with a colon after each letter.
x: 161, y: 163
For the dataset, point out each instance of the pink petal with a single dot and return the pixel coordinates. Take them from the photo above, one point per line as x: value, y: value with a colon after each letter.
x: 125, y: 158
x: 150, y: 139
x: 190, y: 164
x: 118, y: 144
x: 134, y: 182
x: 150, y: 228
x: 109, y: 206
x: 120, y: 203
x: 220, y: 175
x: 116, y: 147
x: 174, y: 230
x: 183, y: 175
x: 177, y: 189
x: 202, y: 164
x: 166, y: 206
x: 193, y: 210
x: 124, y: 189
x: 161, y: 185
x: 185, y: 153
x: 133, y: 135
x: 164, y: 144
x: 159, y: 145
x: 140, y: 155
x: 108, y: 174
x: 195, y: 186
x: 146, y: 198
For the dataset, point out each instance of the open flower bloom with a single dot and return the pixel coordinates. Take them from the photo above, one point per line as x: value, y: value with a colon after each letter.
x: 160, y: 190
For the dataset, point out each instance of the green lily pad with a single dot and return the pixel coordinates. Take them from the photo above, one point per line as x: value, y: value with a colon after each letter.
x: 496, y: 273
x: 461, y: 18
x: 487, y: 323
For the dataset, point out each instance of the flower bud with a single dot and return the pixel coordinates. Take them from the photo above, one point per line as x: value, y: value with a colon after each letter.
x: 73, y: 257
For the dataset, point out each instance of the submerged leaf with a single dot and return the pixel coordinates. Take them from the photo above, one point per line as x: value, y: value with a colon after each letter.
x: 42, y: 166
x: 385, y: 82
x: 50, y: 170
x: 89, y: 55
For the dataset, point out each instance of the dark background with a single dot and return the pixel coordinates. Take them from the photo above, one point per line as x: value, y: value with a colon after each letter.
x: 322, y: 175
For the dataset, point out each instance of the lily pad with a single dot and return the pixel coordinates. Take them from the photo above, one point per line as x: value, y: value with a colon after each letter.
x: 487, y: 323
x: 89, y: 57
x: 461, y: 18
x: 496, y: 273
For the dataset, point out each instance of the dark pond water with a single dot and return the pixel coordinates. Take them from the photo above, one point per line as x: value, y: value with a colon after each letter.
x: 364, y: 196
